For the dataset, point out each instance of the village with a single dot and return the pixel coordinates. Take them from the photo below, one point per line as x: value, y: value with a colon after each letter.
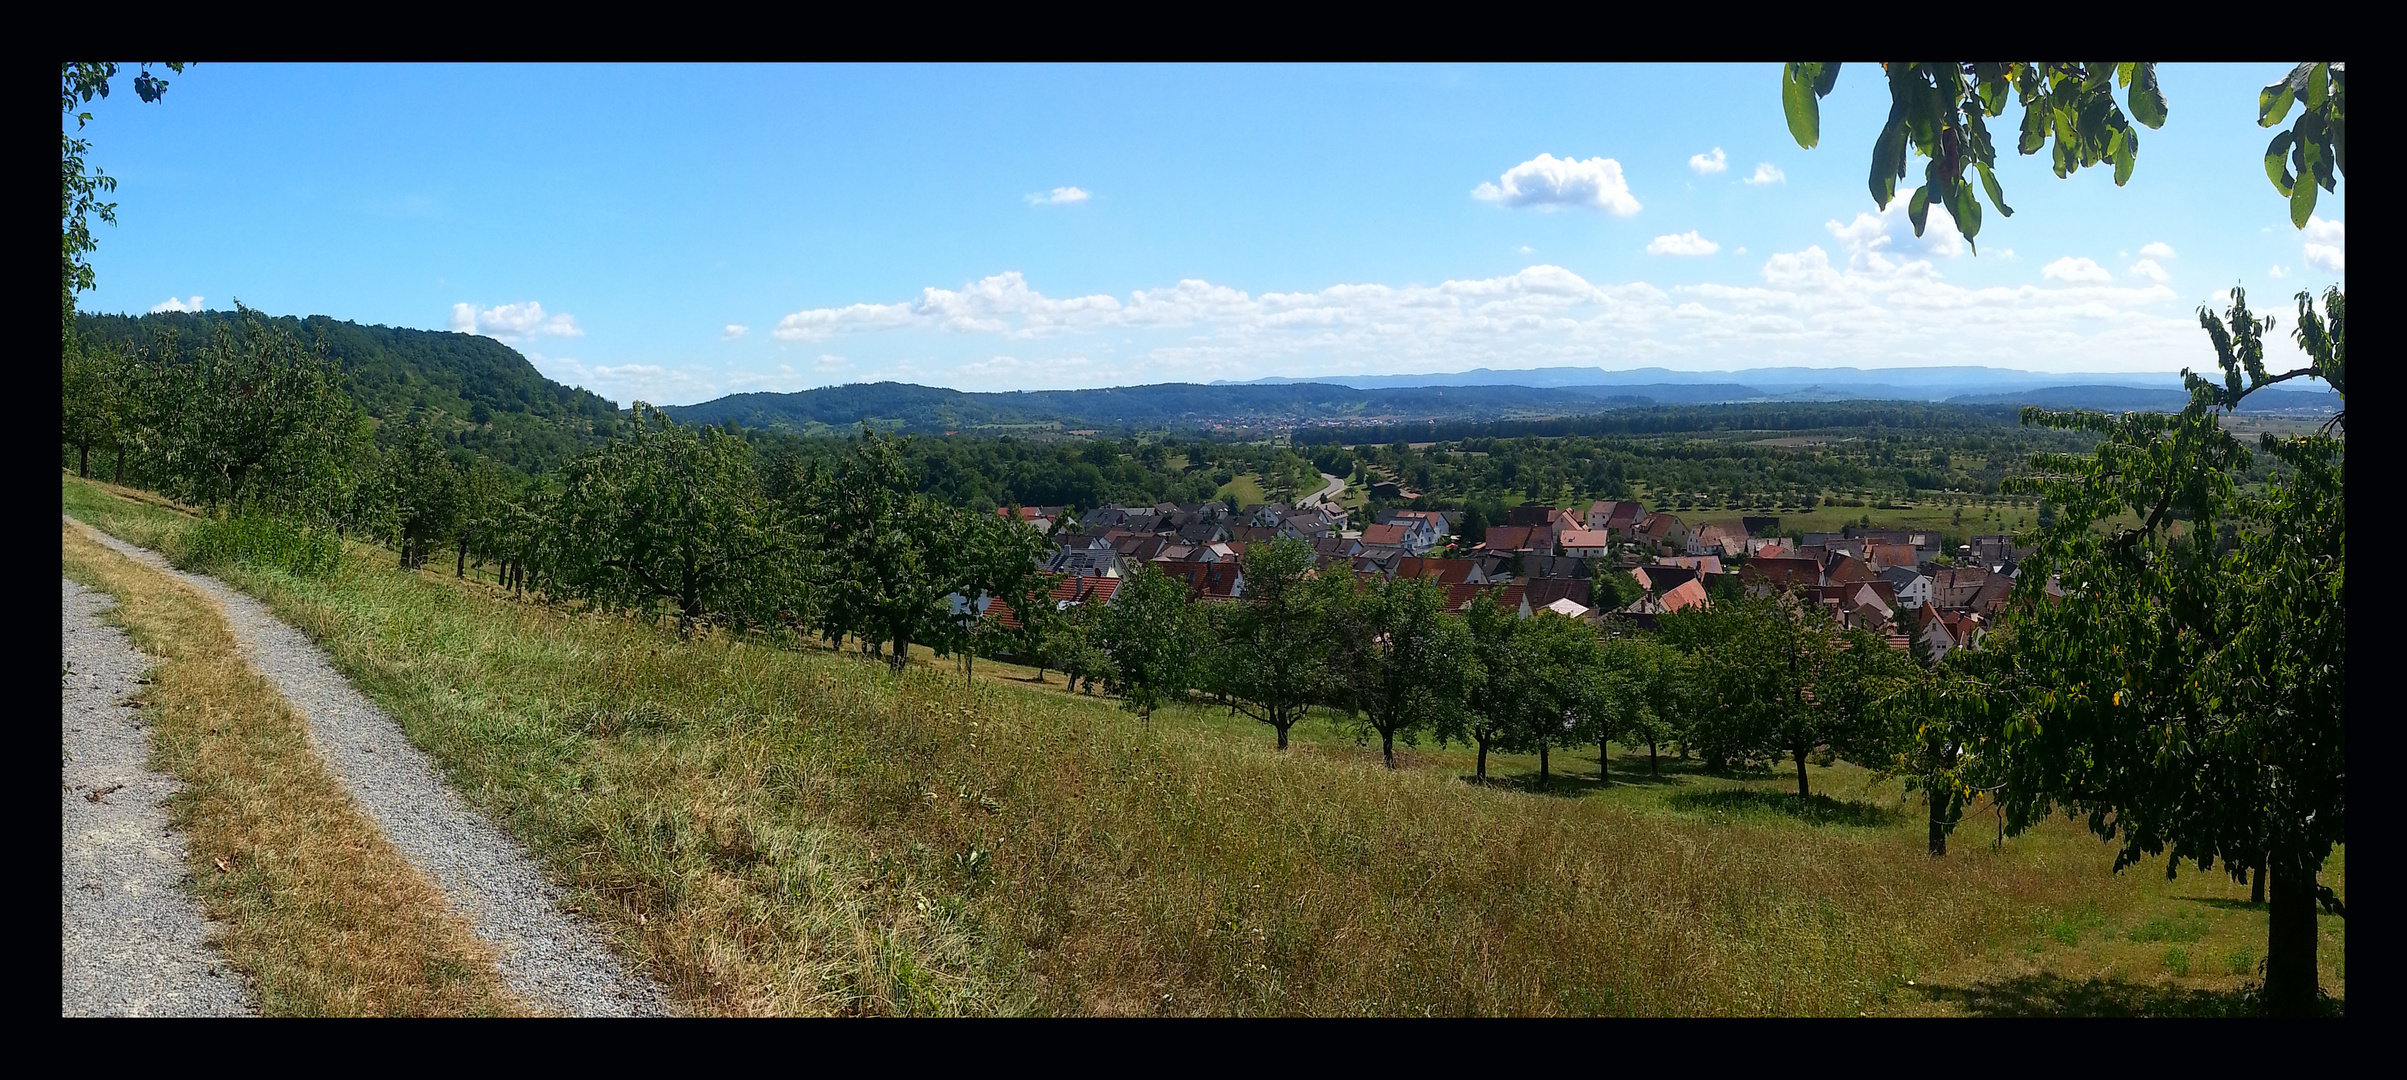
x: 1897, y: 583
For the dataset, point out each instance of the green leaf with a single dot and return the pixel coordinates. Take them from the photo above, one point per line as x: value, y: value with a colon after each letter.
x: 2035, y: 127
x: 2273, y: 103
x: 2302, y: 202
x: 2122, y: 73
x: 2148, y: 98
x: 1826, y: 79
x: 1803, y: 109
x: 2277, y: 162
x: 1888, y: 160
x: 2318, y: 81
x: 1967, y: 210
x: 1997, y: 196
x: 2127, y: 154
x: 1918, y: 208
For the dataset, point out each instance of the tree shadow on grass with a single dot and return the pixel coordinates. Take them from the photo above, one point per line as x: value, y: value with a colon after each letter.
x: 1818, y: 810
x: 2055, y: 995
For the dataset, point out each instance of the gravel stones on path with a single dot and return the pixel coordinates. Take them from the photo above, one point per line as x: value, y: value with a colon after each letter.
x: 552, y: 959
x: 132, y: 940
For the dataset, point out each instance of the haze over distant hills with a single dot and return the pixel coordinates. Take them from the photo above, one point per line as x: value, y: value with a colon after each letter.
x: 1909, y: 383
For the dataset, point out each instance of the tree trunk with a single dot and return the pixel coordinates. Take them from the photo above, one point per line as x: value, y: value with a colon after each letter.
x: 119, y: 476
x: 1542, y: 765
x: 1483, y: 761
x: 1387, y: 747
x: 2256, y: 882
x: 1803, y: 792
x: 1283, y: 733
x: 902, y: 649
x: 1942, y: 810
x: 1652, y: 767
x: 2290, y: 942
x: 1604, y: 766
x: 83, y: 460
x: 461, y: 571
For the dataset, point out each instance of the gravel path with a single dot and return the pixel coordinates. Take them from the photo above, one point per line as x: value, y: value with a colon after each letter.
x: 132, y: 941
x: 549, y: 957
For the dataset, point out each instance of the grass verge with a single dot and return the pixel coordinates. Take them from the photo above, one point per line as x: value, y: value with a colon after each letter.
x: 321, y: 913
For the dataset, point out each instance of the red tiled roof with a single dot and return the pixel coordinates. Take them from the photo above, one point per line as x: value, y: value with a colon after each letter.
x: 1216, y: 579
x: 1781, y: 574
x: 1390, y: 535
x: 1446, y: 571
x: 1076, y: 590
x: 1688, y: 594
x: 1511, y: 537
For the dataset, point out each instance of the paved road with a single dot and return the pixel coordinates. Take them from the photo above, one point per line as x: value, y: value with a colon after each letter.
x: 1337, y: 486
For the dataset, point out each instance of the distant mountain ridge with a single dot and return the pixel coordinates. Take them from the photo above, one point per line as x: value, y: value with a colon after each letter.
x: 1904, y: 383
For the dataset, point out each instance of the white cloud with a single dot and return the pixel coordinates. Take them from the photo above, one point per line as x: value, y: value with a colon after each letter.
x: 734, y: 331
x: 1768, y: 173
x: 829, y: 362
x: 1709, y: 164
x: 2327, y: 245
x: 1687, y: 243
x: 514, y: 322
x: 2147, y: 268
x: 1741, y: 250
x: 2006, y: 254
x: 2075, y: 270
x: 2277, y: 271
x: 1525, y: 249
x: 1550, y: 183
x: 173, y: 304
x: 1869, y: 301
x: 1059, y: 195
x: 1875, y: 242
x: 2158, y: 250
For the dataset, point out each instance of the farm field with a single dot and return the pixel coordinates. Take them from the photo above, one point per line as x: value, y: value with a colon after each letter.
x: 788, y: 830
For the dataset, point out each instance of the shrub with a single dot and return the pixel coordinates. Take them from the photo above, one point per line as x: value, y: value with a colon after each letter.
x: 259, y: 542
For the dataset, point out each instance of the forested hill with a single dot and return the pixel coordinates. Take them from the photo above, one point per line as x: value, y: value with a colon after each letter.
x: 1175, y: 406
x: 477, y: 392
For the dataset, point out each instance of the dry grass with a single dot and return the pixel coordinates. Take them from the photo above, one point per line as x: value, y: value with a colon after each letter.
x: 323, y: 915
x: 783, y: 830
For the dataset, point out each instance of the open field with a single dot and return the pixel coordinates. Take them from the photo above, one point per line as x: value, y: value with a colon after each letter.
x: 788, y: 830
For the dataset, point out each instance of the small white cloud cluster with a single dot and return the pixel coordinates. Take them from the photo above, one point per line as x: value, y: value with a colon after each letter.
x: 1687, y: 243
x: 514, y: 322
x: 2070, y: 269
x: 1768, y: 173
x: 1712, y: 164
x: 173, y: 304
x: 2327, y: 245
x: 1547, y: 182
x: 1058, y: 196
x: 734, y: 331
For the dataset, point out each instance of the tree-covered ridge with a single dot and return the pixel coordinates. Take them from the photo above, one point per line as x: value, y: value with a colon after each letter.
x: 475, y: 392
x: 894, y: 406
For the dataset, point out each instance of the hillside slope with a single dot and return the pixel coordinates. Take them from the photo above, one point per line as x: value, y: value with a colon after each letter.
x: 483, y: 395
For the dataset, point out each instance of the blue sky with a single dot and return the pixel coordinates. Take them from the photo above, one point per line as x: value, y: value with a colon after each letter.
x: 1020, y: 228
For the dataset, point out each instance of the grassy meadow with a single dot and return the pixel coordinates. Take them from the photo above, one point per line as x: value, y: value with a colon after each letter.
x: 782, y: 829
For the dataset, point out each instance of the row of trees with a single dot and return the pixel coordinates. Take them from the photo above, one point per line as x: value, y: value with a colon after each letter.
x: 1743, y: 681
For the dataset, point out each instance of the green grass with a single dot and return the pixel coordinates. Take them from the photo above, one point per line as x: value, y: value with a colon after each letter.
x: 1244, y: 491
x: 779, y: 829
